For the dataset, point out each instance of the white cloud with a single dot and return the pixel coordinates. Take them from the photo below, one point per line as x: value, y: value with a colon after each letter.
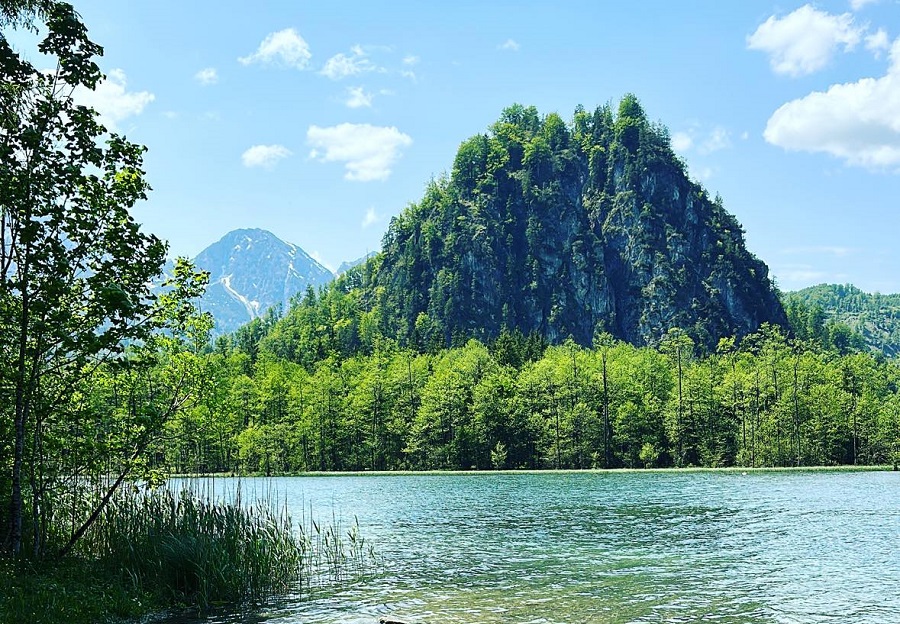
x: 858, y: 122
x: 682, y: 141
x: 510, y: 45
x: 358, y: 98
x: 112, y: 99
x: 285, y: 48
x: 856, y: 5
x: 370, y: 219
x: 343, y: 65
x: 878, y: 42
x: 804, y: 41
x: 368, y: 152
x: 207, y: 76
x: 264, y: 155
x: 705, y: 141
x: 410, y: 59
x: 719, y: 138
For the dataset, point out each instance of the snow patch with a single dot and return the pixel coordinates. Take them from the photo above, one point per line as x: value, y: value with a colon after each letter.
x: 251, y: 306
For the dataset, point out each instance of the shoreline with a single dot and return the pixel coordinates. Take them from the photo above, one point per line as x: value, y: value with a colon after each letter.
x: 536, y: 471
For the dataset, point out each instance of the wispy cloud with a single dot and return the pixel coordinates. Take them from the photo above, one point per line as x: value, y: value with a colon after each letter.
x: 682, y: 141
x: 856, y: 5
x: 830, y: 250
x: 799, y: 275
x: 266, y: 156
x: 878, y: 43
x: 207, y: 76
x: 704, y: 140
x: 510, y: 45
x: 410, y: 60
x: 804, y: 41
x: 343, y: 65
x: 370, y: 219
x: 368, y: 152
x: 357, y: 97
x: 112, y: 99
x: 315, y: 255
x: 718, y: 139
x: 285, y: 48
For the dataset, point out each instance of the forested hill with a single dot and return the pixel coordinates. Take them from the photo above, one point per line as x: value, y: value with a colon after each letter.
x: 845, y: 314
x: 558, y: 229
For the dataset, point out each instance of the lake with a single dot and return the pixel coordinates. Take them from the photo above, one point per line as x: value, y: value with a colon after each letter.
x: 605, y: 547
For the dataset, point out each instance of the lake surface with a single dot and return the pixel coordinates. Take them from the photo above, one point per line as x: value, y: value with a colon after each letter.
x: 567, y: 548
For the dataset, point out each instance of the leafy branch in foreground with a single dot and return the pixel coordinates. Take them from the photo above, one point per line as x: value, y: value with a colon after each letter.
x: 75, y: 284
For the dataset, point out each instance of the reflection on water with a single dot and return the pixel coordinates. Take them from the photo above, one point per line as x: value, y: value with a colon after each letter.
x: 607, y: 548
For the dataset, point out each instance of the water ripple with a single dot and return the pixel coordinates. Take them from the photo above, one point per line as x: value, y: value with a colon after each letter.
x: 563, y: 548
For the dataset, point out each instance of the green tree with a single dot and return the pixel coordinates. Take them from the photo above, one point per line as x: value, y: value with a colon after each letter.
x: 679, y: 347
x: 75, y: 268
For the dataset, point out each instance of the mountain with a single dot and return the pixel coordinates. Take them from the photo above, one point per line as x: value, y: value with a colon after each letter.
x: 346, y: 266
x: 834, y: 313
x: 562, y: 229
x: 252, y: 270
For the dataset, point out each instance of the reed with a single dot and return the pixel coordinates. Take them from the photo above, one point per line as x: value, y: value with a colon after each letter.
x: 198, y: 550
x: 333, y: 555
x: 184, y: 545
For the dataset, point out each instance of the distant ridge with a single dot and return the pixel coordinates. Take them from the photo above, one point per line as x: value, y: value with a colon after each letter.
x: 875, y: 317
x: 346, y: 266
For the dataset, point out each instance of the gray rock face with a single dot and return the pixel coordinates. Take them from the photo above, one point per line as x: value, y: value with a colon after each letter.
x: 252, y: 270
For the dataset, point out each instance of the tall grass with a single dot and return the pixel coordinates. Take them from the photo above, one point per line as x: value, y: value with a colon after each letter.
x: 201, y: 549
x: 183, y: 545
x: 333, y: 556
x: 198, y: 550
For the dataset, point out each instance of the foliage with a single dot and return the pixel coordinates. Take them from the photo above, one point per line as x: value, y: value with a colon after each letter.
x: 553, y: 228
x: 182, y: 545
x: 846, y: 319
x: 76, y: 591
x: 75, y: 275
x: 765, y: 401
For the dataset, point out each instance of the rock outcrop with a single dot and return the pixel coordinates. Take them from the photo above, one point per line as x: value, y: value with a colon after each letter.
x: 563, y: 229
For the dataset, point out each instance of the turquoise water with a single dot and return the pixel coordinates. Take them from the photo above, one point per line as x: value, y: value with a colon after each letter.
x: 608, y: 547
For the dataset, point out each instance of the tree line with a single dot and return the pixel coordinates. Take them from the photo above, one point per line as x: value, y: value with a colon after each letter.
x: 519, y: 403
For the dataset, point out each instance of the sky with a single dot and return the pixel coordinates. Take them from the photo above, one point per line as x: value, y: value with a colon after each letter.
x: 319, y: 121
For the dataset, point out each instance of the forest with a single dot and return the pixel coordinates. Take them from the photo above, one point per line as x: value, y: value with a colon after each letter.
x: 339, y: 401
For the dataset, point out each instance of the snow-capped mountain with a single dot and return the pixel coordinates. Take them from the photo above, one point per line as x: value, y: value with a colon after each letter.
x: 252, y: 270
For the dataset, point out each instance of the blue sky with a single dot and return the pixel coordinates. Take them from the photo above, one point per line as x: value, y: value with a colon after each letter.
x: 319, y: 121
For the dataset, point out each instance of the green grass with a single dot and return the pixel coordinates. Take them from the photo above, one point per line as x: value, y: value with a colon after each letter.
x: 74, y: 591
x: 158, y: 549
